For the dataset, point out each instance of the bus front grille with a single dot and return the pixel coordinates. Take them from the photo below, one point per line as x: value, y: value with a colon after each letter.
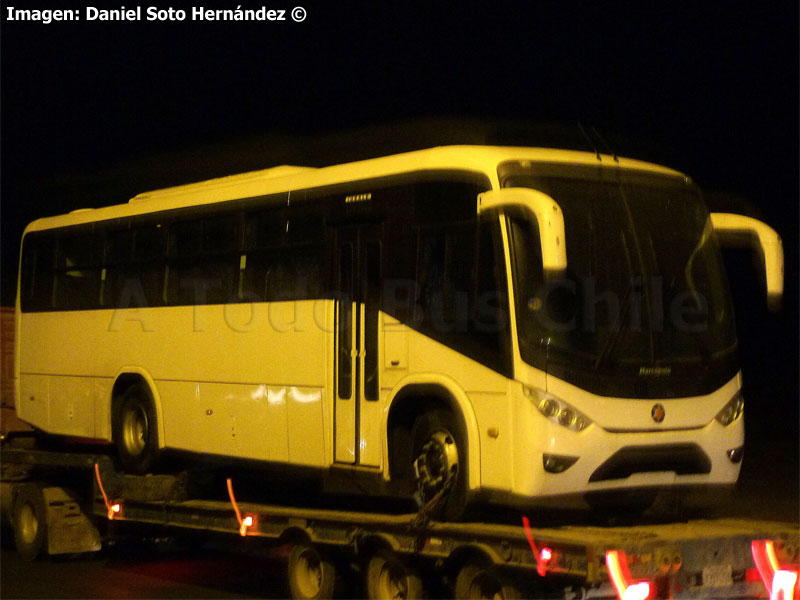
x: 682, y: 459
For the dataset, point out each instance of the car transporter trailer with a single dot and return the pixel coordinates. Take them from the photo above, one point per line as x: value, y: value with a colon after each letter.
x: 57, y: 502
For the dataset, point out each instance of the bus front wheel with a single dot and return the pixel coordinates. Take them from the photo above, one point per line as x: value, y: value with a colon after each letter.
x: 135, y: 430
x: 439, y: 464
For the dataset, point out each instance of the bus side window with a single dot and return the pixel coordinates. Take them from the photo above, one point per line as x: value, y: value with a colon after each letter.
x: 220, y: 260
x: 148, y: 255
x: 117, y: 267
x: 38, y: 272
x: 78, y: 279
x: 284, y: 258
x: 265, y: 232
x: 203, y: 260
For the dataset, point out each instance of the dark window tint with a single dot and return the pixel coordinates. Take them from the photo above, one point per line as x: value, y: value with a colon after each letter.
x: 77, y: 281
x: 149, y: 242
x: 38, y: 273
x: 210, y: 280
x: 77, y: 288
x: 266, y: 228
x: 372, y: 297
x: 345, y: 321
x: 221, y: 234
x: 185, y: 238
x: 462, y: 298
x: 283, y: 274
x: 118, y: 246
x: 445, y: 201
x: 306, y: 228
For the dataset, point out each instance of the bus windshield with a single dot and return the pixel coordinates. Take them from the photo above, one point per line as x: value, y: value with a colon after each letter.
x: 643, y: 310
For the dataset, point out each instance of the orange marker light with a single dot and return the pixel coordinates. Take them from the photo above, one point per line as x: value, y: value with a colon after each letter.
x: 244, y: 522
x: 112, y: 508
x: 620, y: 575
x: 637, y: 591
x: 781, y: 582
x: 783, y: 585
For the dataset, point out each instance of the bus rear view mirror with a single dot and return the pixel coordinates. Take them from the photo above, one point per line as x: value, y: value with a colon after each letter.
x: 737, y: 231
x: 547, y: 214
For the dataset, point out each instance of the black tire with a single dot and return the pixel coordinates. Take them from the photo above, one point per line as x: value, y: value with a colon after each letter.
x: 311, y: 575
x: 431, y: 432
x: 475, y: 581
x: 388, y: 578
x: 29, y: 521
x: 135, y: 430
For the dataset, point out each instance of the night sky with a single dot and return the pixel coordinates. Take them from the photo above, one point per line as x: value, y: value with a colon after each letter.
x: 95, y: 112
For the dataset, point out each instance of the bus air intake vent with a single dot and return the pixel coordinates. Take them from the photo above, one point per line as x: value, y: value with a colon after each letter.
x: 682, y: 459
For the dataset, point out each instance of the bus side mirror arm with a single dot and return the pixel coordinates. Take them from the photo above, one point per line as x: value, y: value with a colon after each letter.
x: 738, y: 230
x: 547, y: 214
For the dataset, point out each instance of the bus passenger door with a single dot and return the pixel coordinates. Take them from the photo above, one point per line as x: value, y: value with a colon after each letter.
x: 357, y: 415
x: 370, y: 284
x: 344, y: 368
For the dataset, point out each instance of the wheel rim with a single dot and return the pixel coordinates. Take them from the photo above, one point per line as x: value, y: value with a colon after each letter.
x: 436, y: 462
x: 309, y: 573
x: 486, y: 587
x: 135, y: 430
x: 392, y: 581
x: 28, y: 523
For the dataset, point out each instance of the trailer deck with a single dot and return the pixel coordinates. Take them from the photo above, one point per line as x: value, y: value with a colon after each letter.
x: 694, y: 559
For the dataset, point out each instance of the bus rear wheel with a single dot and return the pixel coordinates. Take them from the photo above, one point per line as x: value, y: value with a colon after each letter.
x: 135, y: 430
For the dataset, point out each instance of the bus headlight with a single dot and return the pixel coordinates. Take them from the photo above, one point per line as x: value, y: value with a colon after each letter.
x: 732, y: 410
x: 557, y: 410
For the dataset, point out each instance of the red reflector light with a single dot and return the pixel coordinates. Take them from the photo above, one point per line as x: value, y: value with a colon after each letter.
x: 625, y: 586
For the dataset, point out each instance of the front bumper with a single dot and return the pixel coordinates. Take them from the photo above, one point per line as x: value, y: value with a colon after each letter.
x: 621, y: 460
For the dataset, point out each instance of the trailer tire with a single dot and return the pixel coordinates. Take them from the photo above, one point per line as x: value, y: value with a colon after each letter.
x: 387, y: 578
x: 29, y: 521
x: 135, y: 430
x: 311, y: 575
x: 438, y: 448
x: 475, y: 581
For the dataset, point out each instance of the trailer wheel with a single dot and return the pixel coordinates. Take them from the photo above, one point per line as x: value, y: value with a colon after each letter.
x: 310, y: 574
x: 135, y: 430
x: 475, y: 581
x: 438, y: 453
x: 388, y: 578
x: 30, y: 522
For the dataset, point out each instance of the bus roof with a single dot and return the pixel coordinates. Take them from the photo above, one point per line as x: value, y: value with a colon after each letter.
x: 478, y: 159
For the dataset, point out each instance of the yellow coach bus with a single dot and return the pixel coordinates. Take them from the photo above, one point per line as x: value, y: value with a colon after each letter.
x: 512, y: 324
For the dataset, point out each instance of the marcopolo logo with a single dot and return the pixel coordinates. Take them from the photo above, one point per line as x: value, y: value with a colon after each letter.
x: 658, y: 413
